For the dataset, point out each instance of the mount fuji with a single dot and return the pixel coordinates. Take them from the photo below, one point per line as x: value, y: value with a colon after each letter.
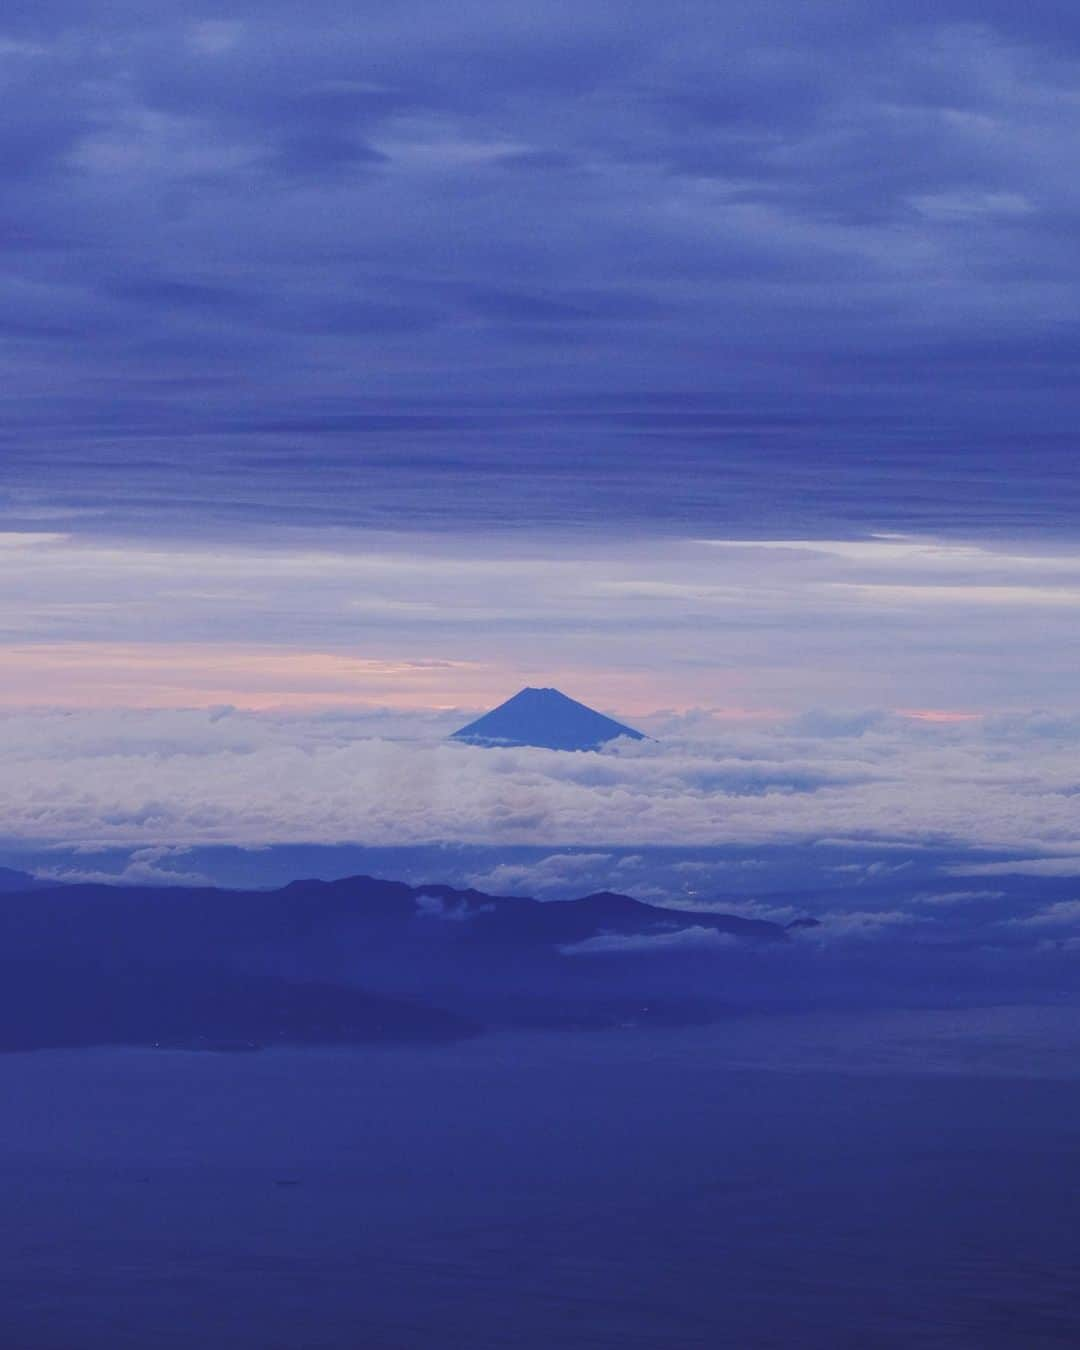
x: 544, y: 718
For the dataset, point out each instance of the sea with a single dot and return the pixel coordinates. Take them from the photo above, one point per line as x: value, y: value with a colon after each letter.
x: 884, y: 1181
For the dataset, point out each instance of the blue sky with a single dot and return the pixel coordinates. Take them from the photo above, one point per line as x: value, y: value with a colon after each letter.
x: 715, y: 362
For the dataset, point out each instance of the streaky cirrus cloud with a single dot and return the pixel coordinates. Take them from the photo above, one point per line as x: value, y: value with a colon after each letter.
x: 788, y: 267
x: 761, y: 627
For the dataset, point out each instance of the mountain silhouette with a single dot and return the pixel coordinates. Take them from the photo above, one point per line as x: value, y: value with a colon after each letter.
x: 352, y: 961
x: 544, y: 718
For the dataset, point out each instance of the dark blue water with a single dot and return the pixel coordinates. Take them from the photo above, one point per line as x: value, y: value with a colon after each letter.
x: 918, y: 1189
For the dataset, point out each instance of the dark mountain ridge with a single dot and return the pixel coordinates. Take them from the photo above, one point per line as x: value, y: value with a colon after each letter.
x: 350, y: 960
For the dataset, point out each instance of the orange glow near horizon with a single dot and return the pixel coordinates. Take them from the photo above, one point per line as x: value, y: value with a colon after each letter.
x: 938, y: 715
x: 77, y: 675
x: 89, y: 675
x: 97, y: 675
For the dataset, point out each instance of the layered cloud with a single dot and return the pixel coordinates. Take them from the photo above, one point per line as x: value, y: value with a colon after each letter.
x: 170, y: 778
x: 935, y: 628
x: 784, y: 265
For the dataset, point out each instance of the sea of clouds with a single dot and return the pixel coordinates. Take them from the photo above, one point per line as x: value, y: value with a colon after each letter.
x: 142, y: 778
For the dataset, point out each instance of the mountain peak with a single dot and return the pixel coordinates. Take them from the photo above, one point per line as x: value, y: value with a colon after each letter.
x: 546, y: 718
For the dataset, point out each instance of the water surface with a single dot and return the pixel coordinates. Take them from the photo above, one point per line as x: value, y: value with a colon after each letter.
x: 895, y: 1181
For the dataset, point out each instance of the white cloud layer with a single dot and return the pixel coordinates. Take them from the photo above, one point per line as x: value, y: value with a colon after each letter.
x: 149, y: 778
x: 624, y: 944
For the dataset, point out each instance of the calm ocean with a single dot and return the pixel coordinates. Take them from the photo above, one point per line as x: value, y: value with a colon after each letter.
x: 911, y: 1180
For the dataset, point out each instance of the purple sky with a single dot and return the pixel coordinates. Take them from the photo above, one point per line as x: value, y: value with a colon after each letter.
x: 699, y: 357
x: 623, y: 270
